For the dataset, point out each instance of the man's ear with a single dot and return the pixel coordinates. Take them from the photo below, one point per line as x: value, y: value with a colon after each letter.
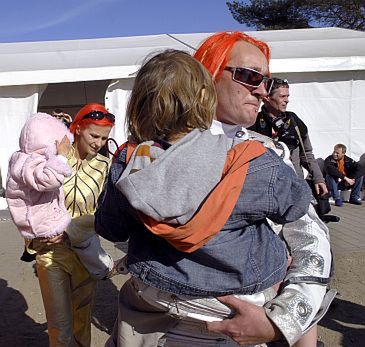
x: 77, y: 129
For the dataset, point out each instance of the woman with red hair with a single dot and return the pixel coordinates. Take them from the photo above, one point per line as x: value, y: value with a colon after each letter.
x: 67, y: 287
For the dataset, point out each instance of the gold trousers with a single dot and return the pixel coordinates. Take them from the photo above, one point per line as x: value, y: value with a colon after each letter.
x: 67, y: 292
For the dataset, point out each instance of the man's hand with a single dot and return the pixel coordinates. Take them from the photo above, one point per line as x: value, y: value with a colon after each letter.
x: 349, y: 181
x: 249, y: 325
x: 321, y: 188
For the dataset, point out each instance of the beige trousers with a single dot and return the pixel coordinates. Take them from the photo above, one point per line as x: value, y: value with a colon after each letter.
x: 140, y: 324
x: 67, y: 292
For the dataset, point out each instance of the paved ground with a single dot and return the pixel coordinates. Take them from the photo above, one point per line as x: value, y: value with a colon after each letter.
x: 23, y: 323
x: 349, y: 234
x: 22, y: 317
x: 344, y: 323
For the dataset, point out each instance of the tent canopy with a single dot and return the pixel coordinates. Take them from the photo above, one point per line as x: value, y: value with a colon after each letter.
x: 299, y: 50
x: 325, y: 67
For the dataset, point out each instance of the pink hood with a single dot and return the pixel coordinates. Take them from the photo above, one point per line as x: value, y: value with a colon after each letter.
x: 40, y: 132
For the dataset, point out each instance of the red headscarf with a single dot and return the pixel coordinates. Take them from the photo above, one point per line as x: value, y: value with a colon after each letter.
x: 85, y: 122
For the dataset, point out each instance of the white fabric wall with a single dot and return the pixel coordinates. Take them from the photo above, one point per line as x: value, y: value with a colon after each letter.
x: 358, y: 115
x: 116, y: 100
x: 332, y: 105
x: 16, y: 104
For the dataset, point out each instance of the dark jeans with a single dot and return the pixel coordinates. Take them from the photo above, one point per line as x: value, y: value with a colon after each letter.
x: 334, y: 186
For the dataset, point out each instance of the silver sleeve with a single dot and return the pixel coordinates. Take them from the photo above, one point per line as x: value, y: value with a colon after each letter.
x: 304, y: 298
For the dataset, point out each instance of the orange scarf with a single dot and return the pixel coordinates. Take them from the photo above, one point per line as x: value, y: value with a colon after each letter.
x: 215, y: 211
x: 341, y: 166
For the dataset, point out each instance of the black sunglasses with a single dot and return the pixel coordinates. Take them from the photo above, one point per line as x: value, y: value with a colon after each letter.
x: 98, y: 115
x: 280, y: 82
x: 250, y: 77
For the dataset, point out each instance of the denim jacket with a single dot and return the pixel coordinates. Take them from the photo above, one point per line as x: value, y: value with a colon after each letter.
x: 271, y: 190
x: 303, y: 300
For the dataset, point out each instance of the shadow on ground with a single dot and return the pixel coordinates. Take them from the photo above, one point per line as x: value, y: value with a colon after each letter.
x: 347, y: 318
x: 105, y: 309
x: 16, y: 327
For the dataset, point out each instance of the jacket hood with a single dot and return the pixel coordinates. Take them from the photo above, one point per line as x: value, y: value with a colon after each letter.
x: 40, y: 132
x: 172, y: 185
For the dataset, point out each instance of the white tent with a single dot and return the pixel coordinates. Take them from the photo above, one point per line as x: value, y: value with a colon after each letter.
x: 325, y: 67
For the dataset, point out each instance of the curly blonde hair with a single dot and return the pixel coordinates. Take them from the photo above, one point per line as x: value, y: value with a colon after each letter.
x: 172, y: 95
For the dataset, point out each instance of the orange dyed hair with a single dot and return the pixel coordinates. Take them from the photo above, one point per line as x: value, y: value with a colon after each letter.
x: 83, y: 123
x: 214, y: 52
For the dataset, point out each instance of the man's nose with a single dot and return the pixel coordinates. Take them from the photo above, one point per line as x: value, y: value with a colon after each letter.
x: 260, y: 91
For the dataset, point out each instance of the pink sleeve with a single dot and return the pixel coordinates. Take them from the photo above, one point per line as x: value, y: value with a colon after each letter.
x: 42, y: 174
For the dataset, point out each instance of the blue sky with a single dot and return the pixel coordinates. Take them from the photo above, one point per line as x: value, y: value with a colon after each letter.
x: 44, y: 20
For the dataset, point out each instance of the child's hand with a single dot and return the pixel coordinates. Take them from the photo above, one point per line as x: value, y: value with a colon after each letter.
x: 63, y: 147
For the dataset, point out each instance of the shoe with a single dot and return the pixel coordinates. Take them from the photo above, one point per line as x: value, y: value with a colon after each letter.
x: 28, y: 257
x: 329, y: 218
x: 355, y: 202
x: 338, y: 202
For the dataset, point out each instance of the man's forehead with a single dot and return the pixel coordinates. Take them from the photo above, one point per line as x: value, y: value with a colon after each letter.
x: 281, y: 91
x: 245, y: 54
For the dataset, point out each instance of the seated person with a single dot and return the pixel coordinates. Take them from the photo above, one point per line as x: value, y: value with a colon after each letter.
x: 281, y: 125
x: 343, y: 173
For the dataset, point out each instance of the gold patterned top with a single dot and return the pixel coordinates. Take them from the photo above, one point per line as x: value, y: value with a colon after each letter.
x: 84, y: 186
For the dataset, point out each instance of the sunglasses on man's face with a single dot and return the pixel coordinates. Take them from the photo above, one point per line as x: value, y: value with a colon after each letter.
x: 249, y: 77
x: 98, y: 115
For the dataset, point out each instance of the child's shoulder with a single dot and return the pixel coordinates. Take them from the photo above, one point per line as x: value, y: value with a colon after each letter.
x: 18, y: 158
x: 17, y: 162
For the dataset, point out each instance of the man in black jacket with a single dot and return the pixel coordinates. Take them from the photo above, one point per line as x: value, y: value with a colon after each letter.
x: 275, y: 122
x: 343, y: 173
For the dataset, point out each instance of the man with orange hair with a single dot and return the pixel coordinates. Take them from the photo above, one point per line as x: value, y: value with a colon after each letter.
x: 239, y: 65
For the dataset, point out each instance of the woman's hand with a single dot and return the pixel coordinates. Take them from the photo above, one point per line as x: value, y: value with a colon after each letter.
x: 53, y: 240
x: 249, y: 325
x: 63, y: 147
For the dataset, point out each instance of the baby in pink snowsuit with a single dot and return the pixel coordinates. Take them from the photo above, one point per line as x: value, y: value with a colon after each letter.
x: 34, y: 191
